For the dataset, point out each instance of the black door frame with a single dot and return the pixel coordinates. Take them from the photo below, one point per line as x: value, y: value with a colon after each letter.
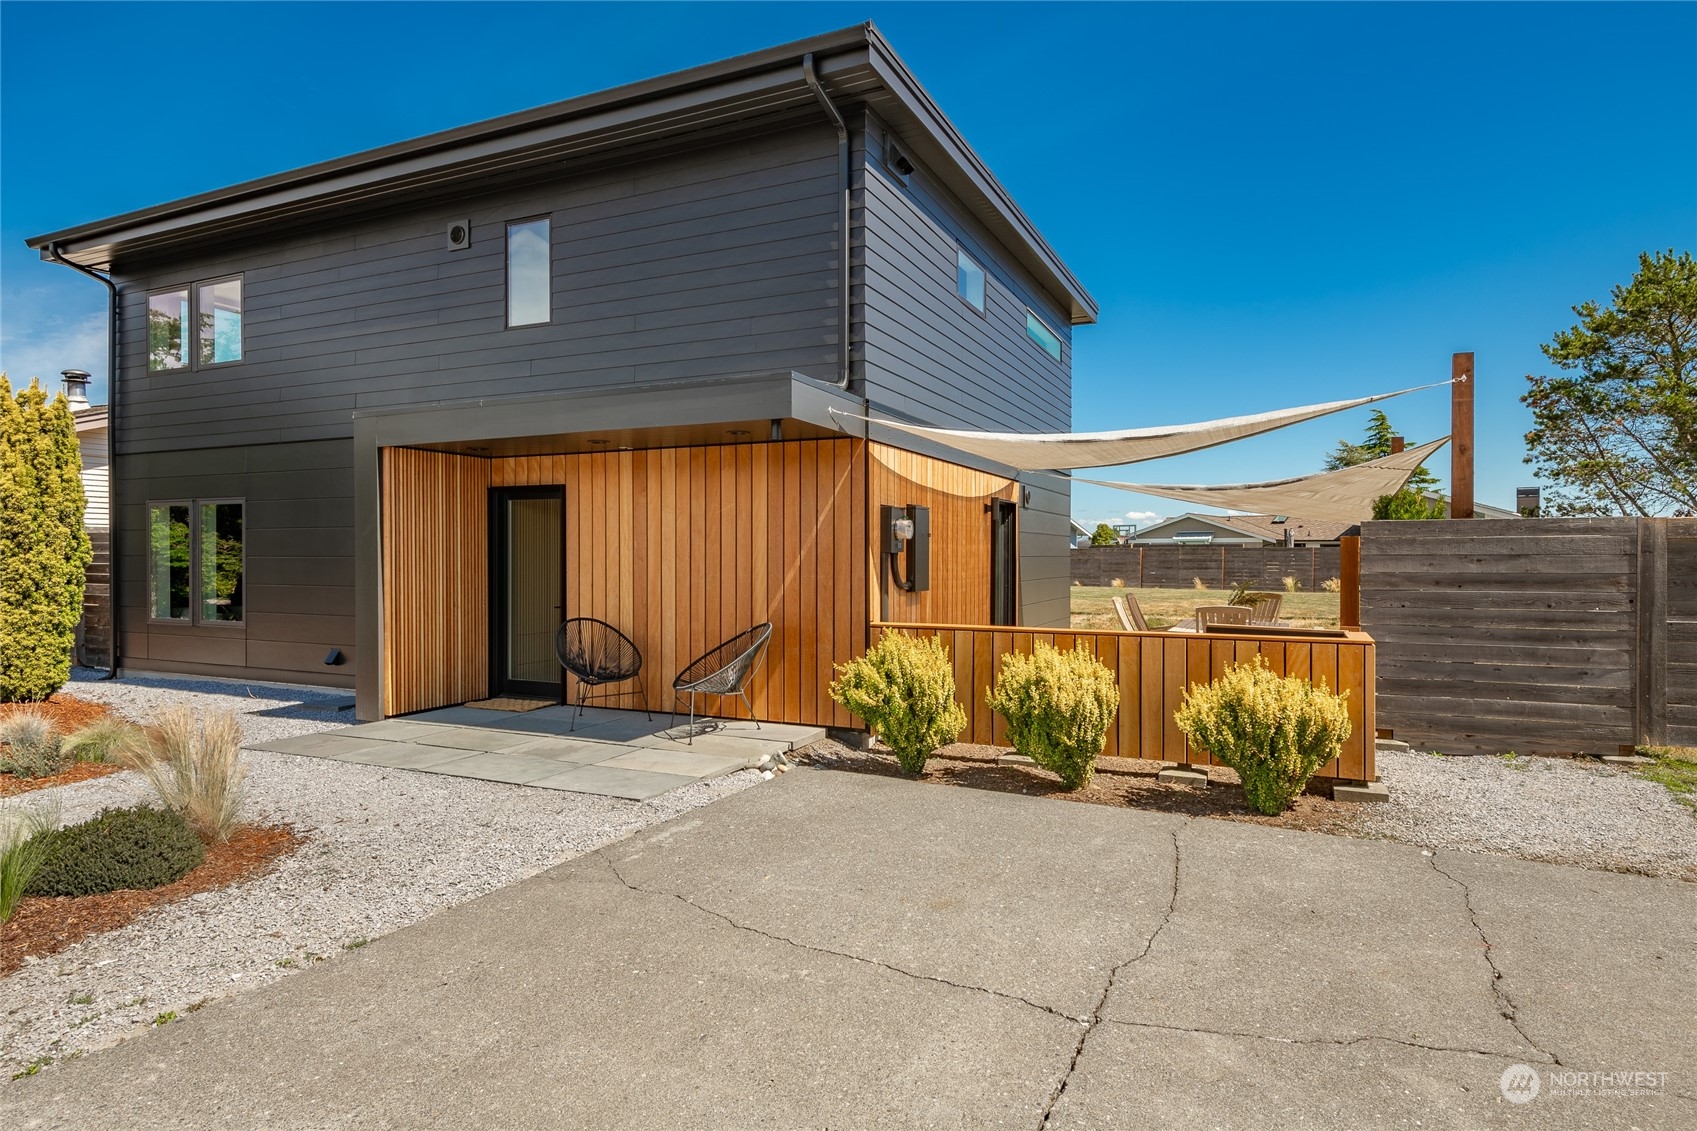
x: 499, y: 684
x: 1004, y: 562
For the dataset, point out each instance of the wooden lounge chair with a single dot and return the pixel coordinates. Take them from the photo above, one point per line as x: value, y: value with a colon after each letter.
x: 1130, y: 613
x: 1265, y: 610
x: 1224, y: 615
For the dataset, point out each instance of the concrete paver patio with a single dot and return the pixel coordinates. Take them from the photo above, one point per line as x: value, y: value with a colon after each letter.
x: 838, y: 950
x: 609, y: 752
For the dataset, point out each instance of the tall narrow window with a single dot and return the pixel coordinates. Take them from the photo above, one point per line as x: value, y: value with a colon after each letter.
x: 969, y: 281
x: 527, y: 273
x: 167, y: 318
x: 219, y: 328
x: 1037, y: 331
x: 168, y: 576
x: 221, y: 561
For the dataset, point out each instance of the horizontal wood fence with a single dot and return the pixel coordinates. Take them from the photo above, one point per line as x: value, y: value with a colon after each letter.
x: 1154, y: 669
x: 1219, y: 567
x: 1534, y: 635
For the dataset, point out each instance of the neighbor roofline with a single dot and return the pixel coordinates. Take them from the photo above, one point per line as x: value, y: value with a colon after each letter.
x: 409, y: 165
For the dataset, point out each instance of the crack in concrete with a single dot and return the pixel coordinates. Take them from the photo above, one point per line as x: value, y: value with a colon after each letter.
x: 724, y: 918
x: 1505, y: 1004
x: 1364, y: 1038
x: 1096, y: 1018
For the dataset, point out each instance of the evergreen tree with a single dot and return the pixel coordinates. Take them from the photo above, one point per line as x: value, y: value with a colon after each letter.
x: 44, y: 549
x: 1410, y: 502
x: 1104, y: 535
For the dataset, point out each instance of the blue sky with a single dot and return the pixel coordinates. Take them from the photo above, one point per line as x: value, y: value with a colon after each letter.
x: 1274, y: 204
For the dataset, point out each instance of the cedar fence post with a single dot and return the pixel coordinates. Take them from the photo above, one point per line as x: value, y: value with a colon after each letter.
x: 1349, y: 578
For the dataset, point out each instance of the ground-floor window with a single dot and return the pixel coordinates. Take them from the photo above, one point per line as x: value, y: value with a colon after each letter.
x: 196, y: 559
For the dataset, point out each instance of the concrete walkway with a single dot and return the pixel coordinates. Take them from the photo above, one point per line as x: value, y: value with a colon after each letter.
x: 612, y: 753
x: 834, y: 950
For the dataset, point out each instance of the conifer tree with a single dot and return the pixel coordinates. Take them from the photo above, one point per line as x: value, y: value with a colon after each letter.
x: 44, y: 549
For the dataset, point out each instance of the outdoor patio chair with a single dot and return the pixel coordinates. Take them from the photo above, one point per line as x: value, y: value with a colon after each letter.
x: 1265, y: 610
x: 1231, y: 615
x: 726, y: 670
x: 597, y: 654
x: 1130, y: 613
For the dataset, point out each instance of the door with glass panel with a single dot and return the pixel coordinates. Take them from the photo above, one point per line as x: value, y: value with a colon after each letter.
x: 527, y: 587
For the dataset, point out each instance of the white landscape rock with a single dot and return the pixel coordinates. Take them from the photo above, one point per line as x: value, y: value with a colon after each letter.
x: 1559, y: 810
x: 383, y: 849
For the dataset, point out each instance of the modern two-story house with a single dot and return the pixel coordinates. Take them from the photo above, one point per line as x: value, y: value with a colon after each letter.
x: 385, y: 421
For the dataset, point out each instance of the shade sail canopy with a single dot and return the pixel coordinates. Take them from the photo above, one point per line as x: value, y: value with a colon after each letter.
x: 1061, y: 451
x: 1344, y: 495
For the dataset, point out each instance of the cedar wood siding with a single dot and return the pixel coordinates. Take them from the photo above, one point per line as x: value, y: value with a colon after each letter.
x: 927, y: 355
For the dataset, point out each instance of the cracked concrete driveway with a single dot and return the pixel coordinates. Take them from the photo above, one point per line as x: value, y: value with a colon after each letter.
x: 837, y: 950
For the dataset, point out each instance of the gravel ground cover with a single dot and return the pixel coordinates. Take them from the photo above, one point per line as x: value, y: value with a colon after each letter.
x: 1558, y: 810
x: 384, y: 848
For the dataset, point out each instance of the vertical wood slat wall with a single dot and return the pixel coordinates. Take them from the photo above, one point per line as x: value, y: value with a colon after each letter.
x: 435, y: 579
x: 683, y: 548
x: 960, y: 535
x: 1154, y: 668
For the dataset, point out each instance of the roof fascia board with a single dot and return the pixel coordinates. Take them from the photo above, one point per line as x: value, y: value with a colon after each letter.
x: 679, y: 85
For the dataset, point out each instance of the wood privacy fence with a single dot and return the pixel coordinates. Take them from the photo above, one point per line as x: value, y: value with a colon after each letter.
x: 1534, y: 635
x: 1220, y: 567
x: 1154, y: 668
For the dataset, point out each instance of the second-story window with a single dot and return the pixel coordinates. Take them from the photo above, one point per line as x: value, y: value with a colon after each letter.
x: 1038, y: 331
x: 528, y: 298
x: 969, y: 281
x: 195, y: 326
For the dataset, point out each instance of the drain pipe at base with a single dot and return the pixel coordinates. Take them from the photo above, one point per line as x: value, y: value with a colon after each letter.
x: 112, y: 477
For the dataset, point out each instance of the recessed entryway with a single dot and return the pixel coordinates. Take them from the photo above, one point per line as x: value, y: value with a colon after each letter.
x: 611, y: 753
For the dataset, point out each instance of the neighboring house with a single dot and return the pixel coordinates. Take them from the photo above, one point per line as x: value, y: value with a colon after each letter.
x: 384, y: 421
x: 1240, y: 530
x: 94, y: 633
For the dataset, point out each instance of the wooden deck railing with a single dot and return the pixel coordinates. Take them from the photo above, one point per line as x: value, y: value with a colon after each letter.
x: 1154, y: 668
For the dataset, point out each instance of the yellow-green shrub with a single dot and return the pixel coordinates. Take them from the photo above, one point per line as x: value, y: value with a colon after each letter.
x: 1059, y: 706
x: 1274, y: 730
x: 904, y: 687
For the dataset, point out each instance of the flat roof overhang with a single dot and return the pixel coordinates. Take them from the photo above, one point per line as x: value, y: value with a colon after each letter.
x: 667, y: 414
x: 763, y: 89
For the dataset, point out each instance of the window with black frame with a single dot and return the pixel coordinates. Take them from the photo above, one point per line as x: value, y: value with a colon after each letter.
x: 196, y: 561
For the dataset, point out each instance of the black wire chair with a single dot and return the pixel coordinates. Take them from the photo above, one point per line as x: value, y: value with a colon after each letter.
x: 597, y: 654
x: 726, y: 670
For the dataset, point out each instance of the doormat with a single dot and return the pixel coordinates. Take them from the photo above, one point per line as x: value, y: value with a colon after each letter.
x: 511, y: 704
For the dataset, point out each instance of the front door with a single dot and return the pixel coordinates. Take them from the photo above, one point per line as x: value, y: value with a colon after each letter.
x: 527, y: 586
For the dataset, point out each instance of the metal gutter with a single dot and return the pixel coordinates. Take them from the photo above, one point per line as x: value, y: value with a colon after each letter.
x: 113, y: 479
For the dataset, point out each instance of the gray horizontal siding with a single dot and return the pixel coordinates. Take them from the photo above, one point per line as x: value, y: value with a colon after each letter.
x: 710, y: 263
x: 922, y: 350
x: 299, y: 576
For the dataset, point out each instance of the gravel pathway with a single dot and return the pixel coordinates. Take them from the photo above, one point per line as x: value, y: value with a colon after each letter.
x: 1558, y: 810
x: 384, y: 848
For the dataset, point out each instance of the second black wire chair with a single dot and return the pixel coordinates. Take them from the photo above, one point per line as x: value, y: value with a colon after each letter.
x: 726, y: 670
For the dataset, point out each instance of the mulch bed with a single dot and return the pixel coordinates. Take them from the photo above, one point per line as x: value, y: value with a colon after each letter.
x: 12, y: 784
x: 1119, y: 782
x: 44, y: 925
x: 67, y: 713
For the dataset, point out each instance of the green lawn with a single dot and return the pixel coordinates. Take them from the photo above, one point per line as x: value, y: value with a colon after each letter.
x: 1092, y: 607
